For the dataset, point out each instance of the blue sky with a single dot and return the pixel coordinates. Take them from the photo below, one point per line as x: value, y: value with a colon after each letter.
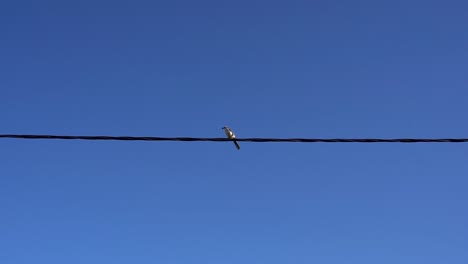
x: 264, y: 68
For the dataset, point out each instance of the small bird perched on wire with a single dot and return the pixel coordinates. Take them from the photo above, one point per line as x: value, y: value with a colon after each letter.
x: 231, y: 135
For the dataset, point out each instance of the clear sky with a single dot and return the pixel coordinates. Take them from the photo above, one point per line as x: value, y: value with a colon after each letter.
x: 265, y: 68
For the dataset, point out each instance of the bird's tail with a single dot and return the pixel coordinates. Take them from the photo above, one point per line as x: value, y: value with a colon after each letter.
x: 237, y: 144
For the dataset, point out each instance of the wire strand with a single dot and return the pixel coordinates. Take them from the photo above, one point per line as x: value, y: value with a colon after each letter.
x: 297, y: 140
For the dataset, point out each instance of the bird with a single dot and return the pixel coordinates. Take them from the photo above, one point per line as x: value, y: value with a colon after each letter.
x: 231, y: 135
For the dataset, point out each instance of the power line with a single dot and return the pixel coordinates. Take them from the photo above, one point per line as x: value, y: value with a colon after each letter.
x: 297, y: 140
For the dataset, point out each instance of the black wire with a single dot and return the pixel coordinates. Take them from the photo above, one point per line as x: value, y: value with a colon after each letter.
x: 300, y: 140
